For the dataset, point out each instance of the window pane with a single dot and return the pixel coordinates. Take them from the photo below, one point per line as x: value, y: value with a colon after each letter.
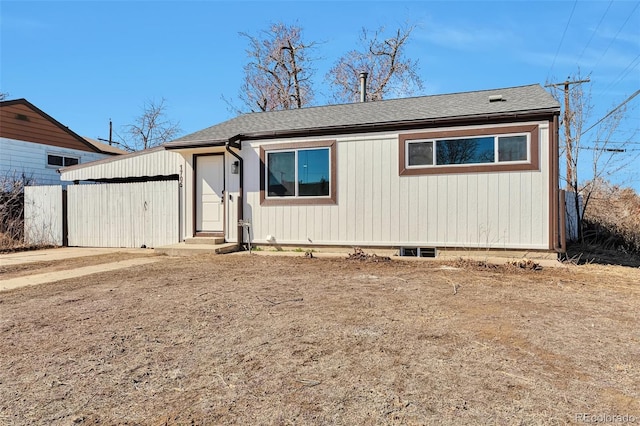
x: 465, y: 151
x: 313, y: 172
x: 69, y: 161
x: 512, y: 148
x: 420, y: 153
x: 281, y: 174
x: 54, y: 160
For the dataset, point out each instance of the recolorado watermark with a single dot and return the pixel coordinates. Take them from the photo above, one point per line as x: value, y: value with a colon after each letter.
x: 606, y: 418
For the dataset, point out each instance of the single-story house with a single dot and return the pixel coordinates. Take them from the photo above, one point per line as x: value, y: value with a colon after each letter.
x: 473, y: 170
x: 34, y: 145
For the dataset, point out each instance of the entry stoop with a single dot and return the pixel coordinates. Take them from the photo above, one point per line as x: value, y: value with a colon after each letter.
x: 204, y: 240
x: 189, y: 249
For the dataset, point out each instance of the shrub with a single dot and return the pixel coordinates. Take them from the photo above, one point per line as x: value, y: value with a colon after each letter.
x: 12, y: 210
x: 612, y: 218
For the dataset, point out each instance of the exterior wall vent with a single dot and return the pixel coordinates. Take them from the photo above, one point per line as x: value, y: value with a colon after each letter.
x: 418, y: 251
x: 22, y: 117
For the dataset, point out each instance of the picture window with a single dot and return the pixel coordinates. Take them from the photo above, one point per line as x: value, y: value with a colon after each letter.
x: 473, y: 150
x: 509, y: 148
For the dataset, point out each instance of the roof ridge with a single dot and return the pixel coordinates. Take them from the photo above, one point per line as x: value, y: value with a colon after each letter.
x: 516, y: 100
x: 262, y: 113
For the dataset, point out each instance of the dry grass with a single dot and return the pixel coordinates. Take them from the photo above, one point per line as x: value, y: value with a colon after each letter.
x: 241, y: 339
x: 595, y: 253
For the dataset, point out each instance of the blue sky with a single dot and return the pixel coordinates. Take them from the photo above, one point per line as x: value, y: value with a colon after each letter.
x: 85, y: 62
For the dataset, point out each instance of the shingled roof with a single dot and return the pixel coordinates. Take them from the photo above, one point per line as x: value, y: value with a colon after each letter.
x: 366, y: 116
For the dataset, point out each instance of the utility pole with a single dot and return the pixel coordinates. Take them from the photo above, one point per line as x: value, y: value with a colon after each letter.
x: 571, y: 172
x: 110, y: 140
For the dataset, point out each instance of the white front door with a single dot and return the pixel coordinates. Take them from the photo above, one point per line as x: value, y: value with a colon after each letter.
x: 210, y: 193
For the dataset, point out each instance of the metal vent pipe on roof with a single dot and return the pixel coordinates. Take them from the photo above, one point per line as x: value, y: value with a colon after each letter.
x: 363, y: 86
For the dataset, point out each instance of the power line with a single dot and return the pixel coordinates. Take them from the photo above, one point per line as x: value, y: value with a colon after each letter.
x: 595, y: 31
x: 617, y: 34
x: 562, y: 39
x: 593, y: 148
x: 612, y: 111
x: 619, y: 142
x: 625, y: 71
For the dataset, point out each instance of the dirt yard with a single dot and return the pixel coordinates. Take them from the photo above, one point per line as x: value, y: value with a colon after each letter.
x: 254, y: 339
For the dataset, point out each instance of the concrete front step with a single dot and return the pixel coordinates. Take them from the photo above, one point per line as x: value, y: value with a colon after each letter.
x: 204, y: 240
x: 183, y: 249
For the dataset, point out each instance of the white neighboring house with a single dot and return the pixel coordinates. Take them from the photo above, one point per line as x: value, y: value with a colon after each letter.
x: 33, y: 145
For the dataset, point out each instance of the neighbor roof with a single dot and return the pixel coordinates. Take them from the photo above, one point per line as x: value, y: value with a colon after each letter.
x: 106, y: 148
x: 21, y: 120
x: 367, y: 115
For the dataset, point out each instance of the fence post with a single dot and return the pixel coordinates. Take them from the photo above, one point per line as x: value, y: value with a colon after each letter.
x: 65, y: 221
x: 563, y: 221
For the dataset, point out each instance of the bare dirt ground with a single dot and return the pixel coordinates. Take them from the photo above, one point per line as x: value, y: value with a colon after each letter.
x: 26, y: 269
x: 240, y: 339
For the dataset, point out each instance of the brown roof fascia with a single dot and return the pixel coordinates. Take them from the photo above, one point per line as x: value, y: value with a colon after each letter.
x: 401, y: 125
x: 543, y: 114
x: 203, y: 143
x: 23, y: 101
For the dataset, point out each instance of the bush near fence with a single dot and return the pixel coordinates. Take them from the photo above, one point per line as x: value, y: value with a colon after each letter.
x: 12, y: 210
x: 612, y: 218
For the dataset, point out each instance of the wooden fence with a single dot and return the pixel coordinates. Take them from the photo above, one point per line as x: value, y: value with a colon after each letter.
x: 43, y: 215
x: 108, y: 215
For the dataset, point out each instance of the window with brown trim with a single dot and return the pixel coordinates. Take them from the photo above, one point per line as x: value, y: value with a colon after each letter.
x: 493, y: 149
x: 298, y: 173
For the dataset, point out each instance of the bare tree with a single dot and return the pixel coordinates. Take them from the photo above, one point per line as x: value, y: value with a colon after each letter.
x: 599, y: 148
x: 278, y: 75
x: 391, y: 73
x: 3, y: 96
x: 151, y: 128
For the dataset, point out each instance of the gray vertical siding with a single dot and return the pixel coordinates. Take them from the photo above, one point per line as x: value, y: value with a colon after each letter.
x: 377, y: 206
